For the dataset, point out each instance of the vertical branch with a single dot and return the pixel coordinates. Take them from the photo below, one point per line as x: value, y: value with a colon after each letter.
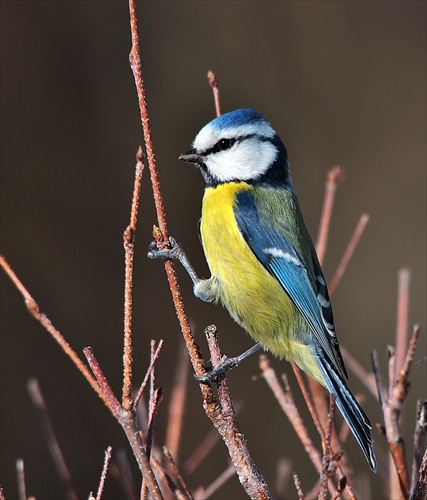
x: 177, y: 402
x: 104, y: 473
x: 20, y: 476
x: 420, y: 438
x: 213, y: 82
x: 128, y: 243
x: 51, y: 439
x: 223, y: 417
x: 402, y: 317
x: 161, y: 234
x: 348, y: 254
x: 335, y: 175
x: 127, y: 420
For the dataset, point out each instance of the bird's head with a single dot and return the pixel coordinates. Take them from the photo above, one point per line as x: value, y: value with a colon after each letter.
x: 240, y: 146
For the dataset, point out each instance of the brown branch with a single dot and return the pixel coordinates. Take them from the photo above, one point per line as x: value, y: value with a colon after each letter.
x: 104, y: 473
x: 51, y: 439
x: 177, y: 403
x: 156, y: 396
x: 287, y: 403
x: 402, y: 317
x: 283, y: 475
x: 348, y: 254
x: 127, y: 420
x: 147, y: 375
x: 177, y: 473
x: 420, y: 438
x: 343, y: 468
x: 161, y: 234
x: 367, y: 378
x: 213, y: 82
x: 166, y: 479
x: 204, y: 493
x: 420, y: 489
x: 120, y: 469
x: 327, y: 451
x: 34, y: 309
x: 334, y: 176
x: 298, y: 486
x: 307, y: 399
x: 128, y: 243
x: 392, y: 407
x: 201, y: 451
x: 223, y: 416
x: 20, y: 477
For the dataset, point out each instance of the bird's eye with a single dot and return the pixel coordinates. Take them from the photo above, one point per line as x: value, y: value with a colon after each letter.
x: 224, y: 144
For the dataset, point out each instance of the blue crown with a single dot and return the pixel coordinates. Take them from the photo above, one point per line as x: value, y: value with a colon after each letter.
x: 238, y: 117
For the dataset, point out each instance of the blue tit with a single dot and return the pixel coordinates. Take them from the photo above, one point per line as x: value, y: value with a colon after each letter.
x: 263, y: 264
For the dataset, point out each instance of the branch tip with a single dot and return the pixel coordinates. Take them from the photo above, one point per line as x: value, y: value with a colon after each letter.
x: 213, y: 80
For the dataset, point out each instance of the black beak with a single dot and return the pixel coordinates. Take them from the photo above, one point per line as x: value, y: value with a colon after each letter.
x: 191, y: 157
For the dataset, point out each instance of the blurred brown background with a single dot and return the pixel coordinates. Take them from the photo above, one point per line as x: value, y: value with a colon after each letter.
x: 342, y: 82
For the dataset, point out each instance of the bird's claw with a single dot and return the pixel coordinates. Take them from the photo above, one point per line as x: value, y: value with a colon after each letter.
x: 173, y: 252
x: 213, y: 374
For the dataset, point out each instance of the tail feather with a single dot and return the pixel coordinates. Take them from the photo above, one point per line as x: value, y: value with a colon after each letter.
x: 350, y: 409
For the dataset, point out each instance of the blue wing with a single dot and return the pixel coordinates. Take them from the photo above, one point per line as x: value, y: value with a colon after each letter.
x: 303, y: 282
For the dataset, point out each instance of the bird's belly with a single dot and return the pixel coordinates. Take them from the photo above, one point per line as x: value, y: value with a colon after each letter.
x: 253, y: 297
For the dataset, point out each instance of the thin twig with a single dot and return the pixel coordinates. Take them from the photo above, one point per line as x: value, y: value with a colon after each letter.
x: 161, y: 233
x: 311, y: 409
x: 392, y: 407
x: 166, y: 479
x: 223, y: 416
x: 127, y: 420
x: 34, y: 309
x: 120, y: 468
x: 420, y: 438
x: 283, y: 474
x: 287, y: 403
x: 402, y: 320
x: 129, y: 243
x: 348, y: 254
x: 324, y: 476
x: 215, y: 485
x: 420, y: 489
x: 156, y: 400
x: 51, y: 439
x: 147, y: 375
x: 156, y: 396
x: 177, y: 473
x: 104, y: 473
x: 201, y: 451
x: 298, y: 486
x: 177, y: 402
x: 334, y: 176
x: 20, y: 476
x: 367, y: 378
x: 213, y: 82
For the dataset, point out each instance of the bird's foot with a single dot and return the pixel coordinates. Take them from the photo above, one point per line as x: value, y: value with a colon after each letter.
x: 213, y: 374
x: 173, y: 252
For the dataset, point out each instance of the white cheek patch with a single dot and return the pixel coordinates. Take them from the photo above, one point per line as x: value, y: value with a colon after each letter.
x: 246, y: 160
x: 210, y: 135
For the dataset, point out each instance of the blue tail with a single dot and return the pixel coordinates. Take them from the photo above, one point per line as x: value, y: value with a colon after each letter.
x: 350, y: 409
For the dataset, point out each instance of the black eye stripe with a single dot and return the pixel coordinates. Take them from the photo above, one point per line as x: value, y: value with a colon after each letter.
x: 226, y: 143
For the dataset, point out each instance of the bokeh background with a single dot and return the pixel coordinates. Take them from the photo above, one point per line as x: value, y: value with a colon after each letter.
x: 342, y: 82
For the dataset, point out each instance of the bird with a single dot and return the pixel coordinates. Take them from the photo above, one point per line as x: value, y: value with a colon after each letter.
x: 263, y: 264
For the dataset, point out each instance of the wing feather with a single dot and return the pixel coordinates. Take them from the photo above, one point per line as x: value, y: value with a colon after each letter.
x: 301, y: 279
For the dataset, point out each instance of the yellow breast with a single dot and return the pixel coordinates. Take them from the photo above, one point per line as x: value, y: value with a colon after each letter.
x: 253, y: 297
